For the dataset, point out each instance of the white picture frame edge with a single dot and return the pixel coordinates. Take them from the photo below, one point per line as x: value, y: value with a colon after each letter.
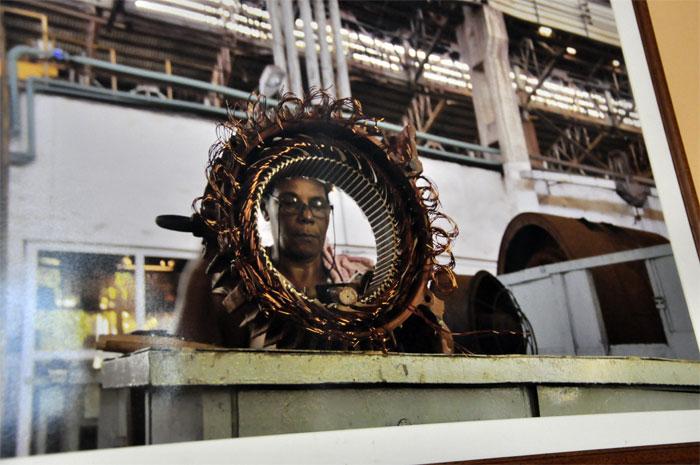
x: 485, y: 439
x: 677, y: 221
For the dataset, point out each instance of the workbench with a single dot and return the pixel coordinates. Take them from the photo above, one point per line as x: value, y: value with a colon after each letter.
x: 170, y: 395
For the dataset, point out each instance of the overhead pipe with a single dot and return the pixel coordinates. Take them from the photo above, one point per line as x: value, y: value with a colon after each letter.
x: 341, y: 64
x: 21, y: 50
x: 290, y: 43
x: 278, y: 40
x: 325, y: 53
x: 34, y: 85
x: 67, y: 88
x: 12, y: 59
x: 27, y: 156
x: 313, y: 78
x: 165, y: 78
x: 438, y: 139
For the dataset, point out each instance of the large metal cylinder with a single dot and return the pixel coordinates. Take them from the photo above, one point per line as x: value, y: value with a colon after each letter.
x: 624, y: 291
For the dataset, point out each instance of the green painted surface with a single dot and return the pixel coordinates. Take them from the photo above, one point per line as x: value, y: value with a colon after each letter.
x: 210, y: 394
x: 249, y: 368
x: 556, y: 400
x: 291, y: 411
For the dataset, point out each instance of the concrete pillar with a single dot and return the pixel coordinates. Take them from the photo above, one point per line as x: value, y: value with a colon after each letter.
x: 483, y: 42
x: 341, y: 65
x: 278, y: 40
x: 313, y: 75
x: 326, y: 60
x: 294, y: 71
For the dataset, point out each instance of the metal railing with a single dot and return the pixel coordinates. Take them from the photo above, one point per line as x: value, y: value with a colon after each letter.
x: 34, y: 85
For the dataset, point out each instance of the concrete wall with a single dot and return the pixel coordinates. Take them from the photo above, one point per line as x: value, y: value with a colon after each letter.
x: 103, y: 172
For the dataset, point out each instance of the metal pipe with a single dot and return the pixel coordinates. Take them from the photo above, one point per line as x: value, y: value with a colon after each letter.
x: 325, y: 53
x: 127, y: 97
x: 66, y: 88
x: 43, y: 19
x: 452, y: 156
x: 4, y: 222
x: 161, y: 77
x: 341, y: 64
x: 434, y: 138
x: 12, y: 57
x: 277, y: 40
x: 77, y: 90
x: 291, y: 47
x: 22, y: 158
x: 92, y: 92
x: 313, y: 77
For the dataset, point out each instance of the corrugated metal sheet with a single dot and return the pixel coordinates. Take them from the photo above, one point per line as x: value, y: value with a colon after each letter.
x: 581, y: 17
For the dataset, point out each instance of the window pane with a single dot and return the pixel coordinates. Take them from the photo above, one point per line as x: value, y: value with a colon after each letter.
x: 80, y: 296
x: 162, y: 279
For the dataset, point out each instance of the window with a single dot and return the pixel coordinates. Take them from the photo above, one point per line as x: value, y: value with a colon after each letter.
x: 80, y: 293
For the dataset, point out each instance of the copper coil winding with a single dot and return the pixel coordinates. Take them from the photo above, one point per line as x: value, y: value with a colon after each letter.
x: 333, y: 141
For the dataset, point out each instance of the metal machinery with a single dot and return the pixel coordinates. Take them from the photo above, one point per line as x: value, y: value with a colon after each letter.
x: 626, y: 278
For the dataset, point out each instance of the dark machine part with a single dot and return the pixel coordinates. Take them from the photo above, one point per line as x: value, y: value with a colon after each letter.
x: 345, y: 294
x: 191, y: 224
x: 485, y: 318
x: 624, y: 291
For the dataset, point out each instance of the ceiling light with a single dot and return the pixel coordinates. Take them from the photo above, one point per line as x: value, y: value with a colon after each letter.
x: 616, y: 63
x: 571, y: 50
x: 545, y: 31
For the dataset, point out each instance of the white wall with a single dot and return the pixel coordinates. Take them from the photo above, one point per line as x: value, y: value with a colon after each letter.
x: 104, y: 172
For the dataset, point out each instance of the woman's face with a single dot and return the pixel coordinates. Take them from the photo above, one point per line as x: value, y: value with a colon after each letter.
x: 299, y: 212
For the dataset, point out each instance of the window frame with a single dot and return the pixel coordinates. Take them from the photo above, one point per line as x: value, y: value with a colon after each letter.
x: 28, y: 353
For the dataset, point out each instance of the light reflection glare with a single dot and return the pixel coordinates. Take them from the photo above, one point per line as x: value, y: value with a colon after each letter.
x: 372, y: 52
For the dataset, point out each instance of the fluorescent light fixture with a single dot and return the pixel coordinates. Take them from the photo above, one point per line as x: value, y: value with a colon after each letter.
x: 253, y: 22
x: 182, y: 13
x: 49, y: 261
x: 545, y: 31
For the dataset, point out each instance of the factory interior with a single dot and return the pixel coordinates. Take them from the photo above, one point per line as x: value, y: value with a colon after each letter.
x: 525, y: 136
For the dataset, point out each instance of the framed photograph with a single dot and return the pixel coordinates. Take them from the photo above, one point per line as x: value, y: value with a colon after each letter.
x: 568, y: 160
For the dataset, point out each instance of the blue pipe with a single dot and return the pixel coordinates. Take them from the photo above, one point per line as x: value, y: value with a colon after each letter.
x: 23, y: 158
x: 459, y: 157
x: 167, y: 78
x: 178, y: 80
x: 440, y: 139
x: 12, y: 58
x: 67, y: 88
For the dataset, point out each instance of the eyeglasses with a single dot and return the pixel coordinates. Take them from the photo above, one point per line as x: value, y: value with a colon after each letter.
x: 292, y: 205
